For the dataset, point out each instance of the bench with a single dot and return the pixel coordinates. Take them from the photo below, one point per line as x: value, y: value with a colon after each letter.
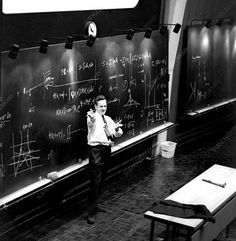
x: 220, y: 200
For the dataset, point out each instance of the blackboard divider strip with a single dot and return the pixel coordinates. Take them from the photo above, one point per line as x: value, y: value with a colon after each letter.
x: 147, y: 134
x: 72, y: 168
x: 116, y: 149
x: 212, y: 107
x: 5, y: 201
x: 119, y: 147
x: 22, y: 193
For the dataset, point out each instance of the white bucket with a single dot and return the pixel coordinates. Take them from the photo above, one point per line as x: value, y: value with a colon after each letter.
x: 168, y: 149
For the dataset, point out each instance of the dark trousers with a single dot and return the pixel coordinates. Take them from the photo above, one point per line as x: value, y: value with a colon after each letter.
x: 99, y: 157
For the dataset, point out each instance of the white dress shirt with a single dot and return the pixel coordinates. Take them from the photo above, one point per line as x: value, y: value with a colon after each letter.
x: 96, y: 133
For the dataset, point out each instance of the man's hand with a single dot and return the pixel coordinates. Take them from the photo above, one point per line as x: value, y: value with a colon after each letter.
x: 118, y: 125
x: 90, y: 115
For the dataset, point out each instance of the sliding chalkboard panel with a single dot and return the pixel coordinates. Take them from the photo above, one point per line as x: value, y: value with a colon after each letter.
x: 45, y: 98
x: 211, y: 66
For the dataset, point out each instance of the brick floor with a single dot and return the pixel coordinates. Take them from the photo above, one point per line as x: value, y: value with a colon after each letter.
x: 127, y: 196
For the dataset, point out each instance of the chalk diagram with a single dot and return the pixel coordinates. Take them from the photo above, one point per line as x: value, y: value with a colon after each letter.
x: 23, y: 157
x: 193, y: 85
x: 151, y: 84
x: 132, y: 81
x: 151, y: 87
x: 48, y: 81
x: 199, y: 67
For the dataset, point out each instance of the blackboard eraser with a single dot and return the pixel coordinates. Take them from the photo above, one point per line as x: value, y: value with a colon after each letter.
x: 52, y: 175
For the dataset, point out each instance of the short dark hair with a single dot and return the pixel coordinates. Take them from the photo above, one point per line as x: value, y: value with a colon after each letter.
x: 98, y: 98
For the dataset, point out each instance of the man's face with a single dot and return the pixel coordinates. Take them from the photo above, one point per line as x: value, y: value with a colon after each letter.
x: 101, y: 107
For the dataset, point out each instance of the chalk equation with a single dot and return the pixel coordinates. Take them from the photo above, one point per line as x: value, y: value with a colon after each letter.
x: 72, y: 94
x: 4, y: 119
x: 63, y: 134
x: 126, y: 60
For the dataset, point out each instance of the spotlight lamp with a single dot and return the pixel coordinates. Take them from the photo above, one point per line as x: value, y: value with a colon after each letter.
x: 208, y: 23
x: 130, y: 34
x: 163, y: 29
x: 148, y: 33
x: 69, y: 42
x: 14, y: 49
x: 219, y: 21
x: 228, y: 21
x: 177, y: 28
x: 90, y: 41
x: 43, y: 46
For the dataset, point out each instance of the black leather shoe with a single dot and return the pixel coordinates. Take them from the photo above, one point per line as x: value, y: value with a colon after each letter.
x: 91, y: 219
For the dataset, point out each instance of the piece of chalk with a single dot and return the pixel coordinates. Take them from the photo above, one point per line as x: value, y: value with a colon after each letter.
x: 214, y: 183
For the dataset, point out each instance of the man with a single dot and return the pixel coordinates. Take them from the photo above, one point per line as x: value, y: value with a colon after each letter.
x: 101, y: 133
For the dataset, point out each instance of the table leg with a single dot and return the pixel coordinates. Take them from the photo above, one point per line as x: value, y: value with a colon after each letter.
x: 167, y: 232
x: 174, y: 232
x: 227, y: 231
x: 188, y: 235
x: 152, y: 229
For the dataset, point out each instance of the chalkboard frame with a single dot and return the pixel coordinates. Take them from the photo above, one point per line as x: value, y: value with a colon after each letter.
x: 210, y: 68
x: 50, y: 154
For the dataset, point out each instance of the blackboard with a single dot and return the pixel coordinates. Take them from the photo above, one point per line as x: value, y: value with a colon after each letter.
x: 45, y: 97
x: 211, y: 66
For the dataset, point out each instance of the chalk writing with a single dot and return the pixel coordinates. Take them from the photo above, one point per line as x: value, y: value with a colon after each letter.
x: 5, y: 118
x: 56, y: 135
x: 157, y: 62
x: 65, y: 71
x: 63, y: 134
x: 58, y: 96
x: 116, y: 76
x: 113, y: 87
x: 124, y: 60
x: 124, y: 85
x: 83, y: 90
x: 128, y: 116
x: 130, y: 132
x: 115, y: 100
x: 27, y: 126
x: 130, y: 124
x: 32, y: 109
x: 47, y: 82
x: 72, y: 93
x: 85, y: 65
x: 74, y: 109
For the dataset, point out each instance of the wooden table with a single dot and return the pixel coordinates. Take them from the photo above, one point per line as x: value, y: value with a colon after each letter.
x: 221, y: 202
